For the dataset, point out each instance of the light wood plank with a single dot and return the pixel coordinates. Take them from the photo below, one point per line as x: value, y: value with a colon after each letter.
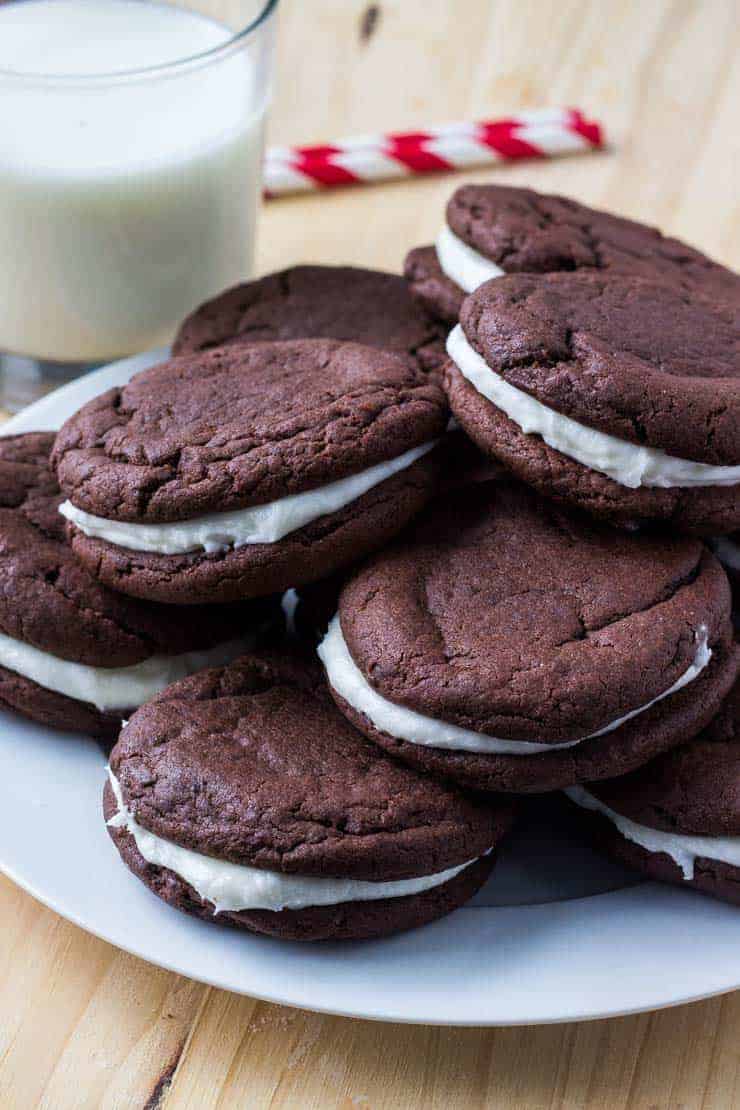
x: 252, y: 1054
x: 82, y: 1024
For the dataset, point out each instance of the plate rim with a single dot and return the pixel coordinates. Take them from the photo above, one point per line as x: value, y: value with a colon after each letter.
x: 71, y: 396
x: 371, y: 1015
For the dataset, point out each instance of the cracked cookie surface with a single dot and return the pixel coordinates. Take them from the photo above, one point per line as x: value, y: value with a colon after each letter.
x: 48, y: 600
x: 253, y: 763
x: 644, y: 362
x: 523, y: 231
x: 506, y: 616
x: 321, y: 302
x: 242, y: 426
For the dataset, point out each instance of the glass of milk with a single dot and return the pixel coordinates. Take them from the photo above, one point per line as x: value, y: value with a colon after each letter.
x: 130, y: 167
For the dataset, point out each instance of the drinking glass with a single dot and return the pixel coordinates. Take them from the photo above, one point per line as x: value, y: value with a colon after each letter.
x: 131, y: 140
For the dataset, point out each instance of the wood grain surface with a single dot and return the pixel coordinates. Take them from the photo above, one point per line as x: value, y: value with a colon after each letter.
x: 84, y: 1025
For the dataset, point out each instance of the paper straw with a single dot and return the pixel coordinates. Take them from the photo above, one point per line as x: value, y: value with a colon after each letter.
x: 545, y: 133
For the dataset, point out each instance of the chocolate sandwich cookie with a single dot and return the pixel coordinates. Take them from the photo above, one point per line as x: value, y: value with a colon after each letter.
x: 319, y: 302
x: 615, y: 394
x: 241, y: 795
x: 492, y: 230
x: 248, y: 469
x: 73, y: 654
x: 678, y: 818
x: 512, y: 646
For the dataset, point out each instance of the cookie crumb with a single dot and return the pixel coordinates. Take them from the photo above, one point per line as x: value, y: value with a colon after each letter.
x: 369, y: 22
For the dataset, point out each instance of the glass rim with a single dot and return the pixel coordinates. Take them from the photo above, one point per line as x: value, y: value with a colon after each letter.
x: 201, y: 57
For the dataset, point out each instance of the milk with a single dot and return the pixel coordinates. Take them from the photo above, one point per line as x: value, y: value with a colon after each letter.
x: 123, y: 203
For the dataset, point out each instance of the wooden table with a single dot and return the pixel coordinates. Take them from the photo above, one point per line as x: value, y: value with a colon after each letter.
x: 83, y: 1025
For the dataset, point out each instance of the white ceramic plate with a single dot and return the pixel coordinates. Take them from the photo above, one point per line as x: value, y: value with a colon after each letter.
x: 557, y: 935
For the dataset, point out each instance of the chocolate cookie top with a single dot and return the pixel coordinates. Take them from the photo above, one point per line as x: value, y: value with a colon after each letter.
x: 648, y: 363
x: 243, y: 425
x: 253, y: 763
x: 48, y: 600
x: 429, y: 284
x: 692, y: 789
x: 320, y: 302
x: 527, y: 232
x: 507, y: 616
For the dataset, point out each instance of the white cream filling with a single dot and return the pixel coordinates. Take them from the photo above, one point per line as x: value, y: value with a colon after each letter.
x: 684, y: 850
x: 623, y: 462
x: 728, y: 552
x: 236, y: 886
x: 466, y: 266
x: 406, y: 724
x: 112, y: 688
x: 258, y: 524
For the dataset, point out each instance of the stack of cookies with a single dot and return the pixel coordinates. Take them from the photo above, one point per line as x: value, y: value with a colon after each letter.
x: 529, y: 597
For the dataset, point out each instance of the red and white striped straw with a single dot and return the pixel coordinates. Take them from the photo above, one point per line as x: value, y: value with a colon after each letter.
x: 536, y: 134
